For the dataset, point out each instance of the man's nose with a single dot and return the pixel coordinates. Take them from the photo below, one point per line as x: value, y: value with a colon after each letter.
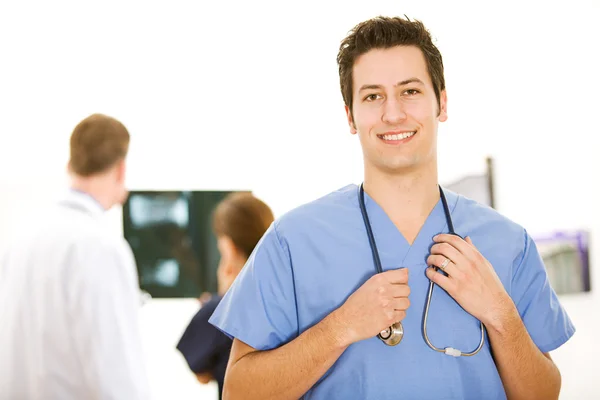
x: 393, y: 111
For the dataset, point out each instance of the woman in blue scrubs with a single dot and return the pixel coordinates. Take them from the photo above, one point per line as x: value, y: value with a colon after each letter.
x: 239, y: 221
x: 306, y: 310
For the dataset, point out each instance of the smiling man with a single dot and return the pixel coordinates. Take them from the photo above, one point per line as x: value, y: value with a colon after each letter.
x: 321, y: 310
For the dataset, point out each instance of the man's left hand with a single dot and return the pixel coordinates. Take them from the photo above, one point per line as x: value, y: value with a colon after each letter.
x: 471, y: 280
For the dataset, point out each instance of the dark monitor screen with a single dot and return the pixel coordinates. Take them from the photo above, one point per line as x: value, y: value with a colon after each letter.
x: 170, y: 233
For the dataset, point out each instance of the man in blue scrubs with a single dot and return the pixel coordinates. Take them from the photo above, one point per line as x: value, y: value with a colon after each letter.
x: 306, y: 309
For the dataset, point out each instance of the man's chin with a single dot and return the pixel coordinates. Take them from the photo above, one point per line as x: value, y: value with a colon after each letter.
x: 399, y: 166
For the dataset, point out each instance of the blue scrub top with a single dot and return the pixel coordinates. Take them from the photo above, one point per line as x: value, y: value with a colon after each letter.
x: 313, y: 257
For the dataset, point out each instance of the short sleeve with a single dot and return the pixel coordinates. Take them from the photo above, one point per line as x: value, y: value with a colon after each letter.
x: 544, y: 317
x: 259, y: 309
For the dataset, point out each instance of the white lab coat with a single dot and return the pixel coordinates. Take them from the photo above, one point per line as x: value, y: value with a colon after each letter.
x: 69, y: 303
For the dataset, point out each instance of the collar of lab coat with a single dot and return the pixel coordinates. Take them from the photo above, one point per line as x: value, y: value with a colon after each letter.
x: 83, y: 201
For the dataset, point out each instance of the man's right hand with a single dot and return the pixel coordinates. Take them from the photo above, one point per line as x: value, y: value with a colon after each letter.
x: 301, y: 362
x: 380, y: 302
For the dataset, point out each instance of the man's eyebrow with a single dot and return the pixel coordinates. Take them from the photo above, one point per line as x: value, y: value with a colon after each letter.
x: 401, y: 83
x: 410, y: 80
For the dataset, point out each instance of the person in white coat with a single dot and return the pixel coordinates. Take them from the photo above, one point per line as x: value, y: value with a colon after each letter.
x: 69, y: 293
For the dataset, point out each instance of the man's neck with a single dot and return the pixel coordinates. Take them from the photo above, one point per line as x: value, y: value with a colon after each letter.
x: 407, y: 198
x: 93, y: 189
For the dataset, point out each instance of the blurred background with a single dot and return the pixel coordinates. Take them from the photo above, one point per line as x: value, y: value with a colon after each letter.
x: 244, y: 96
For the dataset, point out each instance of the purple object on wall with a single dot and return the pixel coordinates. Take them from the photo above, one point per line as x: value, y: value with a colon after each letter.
x: 578, y: 241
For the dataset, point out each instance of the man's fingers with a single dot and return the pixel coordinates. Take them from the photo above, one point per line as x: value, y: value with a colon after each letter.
x: 396, y: 275
x: 448, y: 251
x: 442, y: 281
x: 399, y: 315
x: 401, y: 303
x: 456, y: 241
x: 400, y: 290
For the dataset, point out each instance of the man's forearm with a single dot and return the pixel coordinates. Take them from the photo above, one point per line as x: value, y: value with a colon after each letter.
x: 289, y: 371
x: 526, y: 372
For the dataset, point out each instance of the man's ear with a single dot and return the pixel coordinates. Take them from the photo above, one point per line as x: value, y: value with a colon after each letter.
x: 120, y: 168
x: 350, y: 120
x: 443, y: 116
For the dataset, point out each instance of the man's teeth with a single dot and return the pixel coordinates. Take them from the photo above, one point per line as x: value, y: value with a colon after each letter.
x: 398, y: 137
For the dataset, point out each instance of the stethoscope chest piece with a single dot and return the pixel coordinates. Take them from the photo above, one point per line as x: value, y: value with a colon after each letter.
x: 392, y: 335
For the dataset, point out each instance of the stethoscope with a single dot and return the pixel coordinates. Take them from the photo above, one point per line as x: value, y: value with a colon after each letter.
x: 394, y: 334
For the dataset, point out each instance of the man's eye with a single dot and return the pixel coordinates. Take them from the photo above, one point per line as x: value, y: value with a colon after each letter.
x: 372, y: 97
x: 412, y: 92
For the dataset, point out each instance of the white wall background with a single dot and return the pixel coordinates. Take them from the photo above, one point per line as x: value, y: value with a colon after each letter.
x: 245, y: 95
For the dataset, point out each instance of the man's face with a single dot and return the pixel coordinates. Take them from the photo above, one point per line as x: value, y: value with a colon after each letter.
x: 395, y: 111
